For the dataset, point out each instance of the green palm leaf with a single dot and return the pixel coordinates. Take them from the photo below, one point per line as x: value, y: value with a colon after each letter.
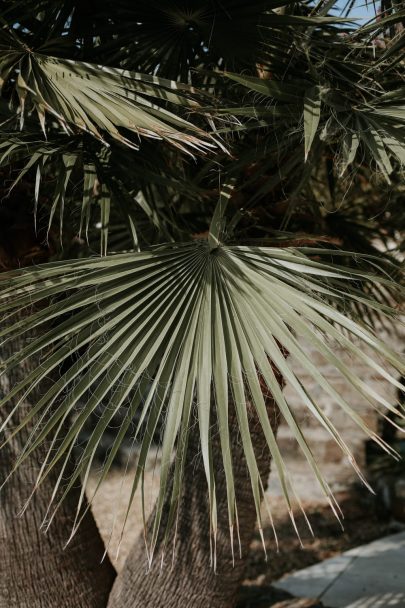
x: 99, y: 99
x: 181, y: 326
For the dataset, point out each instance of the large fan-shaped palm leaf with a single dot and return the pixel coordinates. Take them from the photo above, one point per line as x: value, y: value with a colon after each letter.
x: 183, y: 326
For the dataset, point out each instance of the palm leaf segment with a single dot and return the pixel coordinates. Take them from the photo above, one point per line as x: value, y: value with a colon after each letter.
x: 100, y: 100
x: 180, y: 327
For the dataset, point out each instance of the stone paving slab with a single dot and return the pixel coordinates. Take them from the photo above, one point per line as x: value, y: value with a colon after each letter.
x: 370, y: 576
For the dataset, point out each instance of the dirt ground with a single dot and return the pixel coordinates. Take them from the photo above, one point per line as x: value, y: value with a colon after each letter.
x: 360, y: 526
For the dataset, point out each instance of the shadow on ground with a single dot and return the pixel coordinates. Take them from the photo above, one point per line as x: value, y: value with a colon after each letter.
x: 361, y: 526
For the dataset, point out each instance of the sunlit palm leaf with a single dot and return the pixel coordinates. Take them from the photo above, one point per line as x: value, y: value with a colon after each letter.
x: 101, y: 100
x: 178, y: 325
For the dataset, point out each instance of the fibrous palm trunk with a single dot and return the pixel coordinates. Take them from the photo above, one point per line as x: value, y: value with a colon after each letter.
x: 189, y: 581
x: 36, y: 571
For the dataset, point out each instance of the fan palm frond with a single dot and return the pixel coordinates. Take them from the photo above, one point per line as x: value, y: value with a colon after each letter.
x: 187, y: 324
x: 100, y: 100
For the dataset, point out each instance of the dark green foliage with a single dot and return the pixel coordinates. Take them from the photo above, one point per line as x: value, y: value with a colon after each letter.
x: 245, y: 163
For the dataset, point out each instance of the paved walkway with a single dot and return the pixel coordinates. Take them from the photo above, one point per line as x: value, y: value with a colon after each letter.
x: 371, y: 576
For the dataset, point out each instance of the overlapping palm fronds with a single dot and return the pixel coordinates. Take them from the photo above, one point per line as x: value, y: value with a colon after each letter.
x: 196, y: 323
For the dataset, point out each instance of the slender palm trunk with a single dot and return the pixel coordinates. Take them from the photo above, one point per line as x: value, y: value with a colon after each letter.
x: 192, y: 583
x: 35, y: 569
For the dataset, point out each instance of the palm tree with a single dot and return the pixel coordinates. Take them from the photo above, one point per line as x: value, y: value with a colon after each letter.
x: 185, y: 209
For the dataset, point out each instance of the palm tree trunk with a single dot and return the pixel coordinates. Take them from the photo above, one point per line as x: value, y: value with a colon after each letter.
x: 35, y: 569
x: 192, y: 582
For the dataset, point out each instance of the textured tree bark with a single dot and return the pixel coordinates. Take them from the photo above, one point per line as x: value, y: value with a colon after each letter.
x: 192, y: 583
x: 35, y: 569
